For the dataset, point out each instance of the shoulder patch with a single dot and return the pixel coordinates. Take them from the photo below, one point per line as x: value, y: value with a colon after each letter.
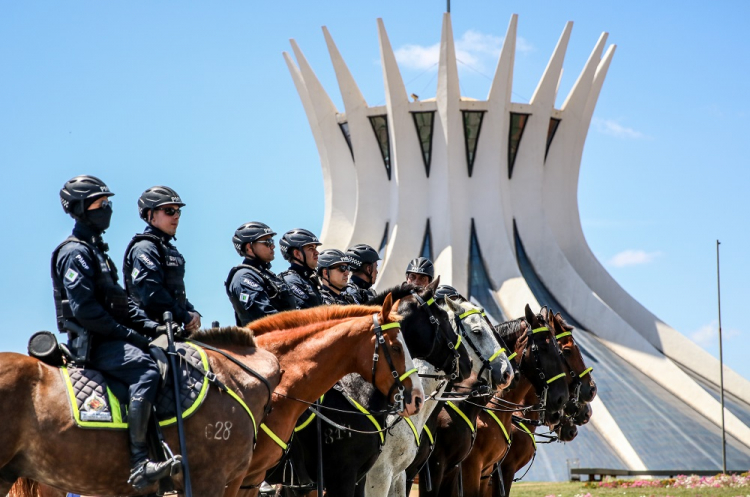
x: 135, y: 273
x: 244, y: 297
x: 251, y: 284
x: 71, y: 275
x: 82, y: 261
x: 298, y: 292
x: 146, y: 260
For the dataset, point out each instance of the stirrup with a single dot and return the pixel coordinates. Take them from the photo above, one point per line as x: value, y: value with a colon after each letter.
x: 140, y: 481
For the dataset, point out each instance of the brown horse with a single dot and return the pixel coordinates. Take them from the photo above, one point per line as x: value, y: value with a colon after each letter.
x: 523, y: 447
x: 40, y: 440
x: 313, y: 358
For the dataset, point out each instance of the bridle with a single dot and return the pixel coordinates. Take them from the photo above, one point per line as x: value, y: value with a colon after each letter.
x: 576, y: 376
x: 452, y: 370
x: 398, y: 385
x: 461, y: 331
x: 542, y: 380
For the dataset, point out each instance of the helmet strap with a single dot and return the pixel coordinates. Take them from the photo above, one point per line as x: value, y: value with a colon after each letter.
x: 327, y: 280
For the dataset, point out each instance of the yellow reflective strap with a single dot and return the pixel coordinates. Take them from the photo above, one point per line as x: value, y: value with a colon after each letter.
x: 413, y: 429
x: 561, y: 375
x: 496, y: 354
x: 429, y: 434
x: 308, y: 420
x: 539, y: 330
x: 458, y: 342
x: 512, y: 356
x: 430, y: 302
x: 484, y: 314
x: 388, y: 326
x: 585, y: 372
x: 461, y: 413
x: 533, y: 440
x: 501, y: 425
x: 407, y: 374
x: 370, y: 417
x: 244, y: 406
x: 274, y: 437
x: 563, y: 334
x: 469, y: 313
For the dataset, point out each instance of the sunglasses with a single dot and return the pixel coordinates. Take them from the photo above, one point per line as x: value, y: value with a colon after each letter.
x: 171, y: 211
x: 106, y: 203
x: 343, y: 268
x: 267, y: 243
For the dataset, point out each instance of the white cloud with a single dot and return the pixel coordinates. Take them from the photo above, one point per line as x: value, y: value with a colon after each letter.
x: 476, y: 50
x: 707, y: 335
x: 613, y: 128
x: 633, y: 258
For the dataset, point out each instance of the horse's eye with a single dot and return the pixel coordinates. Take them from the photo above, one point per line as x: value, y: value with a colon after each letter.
x: 567, y: 352
x: 397, y: 349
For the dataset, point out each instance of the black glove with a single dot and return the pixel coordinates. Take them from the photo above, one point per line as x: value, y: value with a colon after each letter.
x: 160, y: 330
x: 138, y: 340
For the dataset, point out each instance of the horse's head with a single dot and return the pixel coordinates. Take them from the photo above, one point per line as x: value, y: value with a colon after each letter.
x: 393, y: 371
x: 542, y: 365
x: 429, y: 334
x: 583, y: 385
x: 486, y: 352
x: 583, y: 415
x: 566, y: 430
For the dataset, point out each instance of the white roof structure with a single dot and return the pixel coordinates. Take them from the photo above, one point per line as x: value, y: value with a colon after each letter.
x: 487, y: 189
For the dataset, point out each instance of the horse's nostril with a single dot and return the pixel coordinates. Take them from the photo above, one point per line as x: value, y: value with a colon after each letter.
x: 418, y: 403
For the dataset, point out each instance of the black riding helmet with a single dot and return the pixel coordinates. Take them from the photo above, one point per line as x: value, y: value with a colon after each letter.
x: 296, y: 239
x: 80, y: 192
x: 155, y: 197
x: 421, y: 265
x: 361, y: 254
x: 445, y: 291
x: 329, y: 258
x: 249, y: 233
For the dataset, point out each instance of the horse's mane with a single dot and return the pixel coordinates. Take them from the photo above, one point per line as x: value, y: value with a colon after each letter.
x: 228, y: 335
x: 297, y: 319
x: 509, y: 329
x: 397, y: 292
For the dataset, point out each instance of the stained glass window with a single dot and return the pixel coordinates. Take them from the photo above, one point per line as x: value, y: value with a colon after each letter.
x: 380, y: 127
x: 553, y: 124
x: 424, y: 122
x: 472, y: 127
x: 427, y: 243
x: 480, y: 287
x: 517, y: 125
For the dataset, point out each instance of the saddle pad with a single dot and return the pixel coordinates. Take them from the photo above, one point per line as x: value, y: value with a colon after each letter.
x: 93, y: 404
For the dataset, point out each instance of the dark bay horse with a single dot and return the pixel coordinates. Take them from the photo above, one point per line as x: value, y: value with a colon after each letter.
x: 523, y: 447
x: 313, y: 357
x: 40, y: 440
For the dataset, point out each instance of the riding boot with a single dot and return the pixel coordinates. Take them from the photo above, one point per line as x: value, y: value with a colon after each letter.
x: 144, y: 472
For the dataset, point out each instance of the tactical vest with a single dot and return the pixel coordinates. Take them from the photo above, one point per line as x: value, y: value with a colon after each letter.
x: 310, y: 286
x: 107, y: 293
x: 172, y: 263
x: 276, y: 289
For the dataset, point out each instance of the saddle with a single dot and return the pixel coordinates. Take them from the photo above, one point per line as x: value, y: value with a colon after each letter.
x: 97, y: 402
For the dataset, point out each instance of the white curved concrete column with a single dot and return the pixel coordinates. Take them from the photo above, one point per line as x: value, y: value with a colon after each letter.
x: 369, y: 216
x: 338, y: 172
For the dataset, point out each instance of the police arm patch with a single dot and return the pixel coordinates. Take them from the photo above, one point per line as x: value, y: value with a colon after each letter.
x: 135, y: 273
x: 244, y: 297
x: 71, y: 275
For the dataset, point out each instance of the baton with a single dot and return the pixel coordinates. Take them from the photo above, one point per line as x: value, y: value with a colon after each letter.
x: 172, y: 354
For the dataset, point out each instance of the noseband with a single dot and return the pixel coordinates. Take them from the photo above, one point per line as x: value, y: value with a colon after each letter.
x: 398, y: 398
x: 577, y: 383
x: 486, y: 363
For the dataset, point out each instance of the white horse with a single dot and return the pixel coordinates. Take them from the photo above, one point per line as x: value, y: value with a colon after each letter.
x: 387, y: 476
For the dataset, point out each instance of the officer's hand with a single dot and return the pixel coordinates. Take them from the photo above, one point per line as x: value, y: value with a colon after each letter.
x: 160, y: 330
x: 195, y: 322
x: 138, y: 340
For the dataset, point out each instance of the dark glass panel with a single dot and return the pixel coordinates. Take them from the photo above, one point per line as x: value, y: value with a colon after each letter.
x: 427, y: 243
x: 517, y: 125
x: 424, y: 123
x: 551, y: 130
x: 472, y: 127
x: 380, y: 127
x: 480, y: 286
x: 347, y: 136
x: 383, y: 242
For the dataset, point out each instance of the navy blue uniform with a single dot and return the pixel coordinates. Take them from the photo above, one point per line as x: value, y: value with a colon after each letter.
x: 255, y: 291
x: 359, y: 290
x: 154, y: 273
x: 87, y: 295
x: 302, y: 285
x: 332, y: 298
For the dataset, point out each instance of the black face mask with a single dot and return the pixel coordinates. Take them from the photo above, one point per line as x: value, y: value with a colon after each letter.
x: 98, y: 219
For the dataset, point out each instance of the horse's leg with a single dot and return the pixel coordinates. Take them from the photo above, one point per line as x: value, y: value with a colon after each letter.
x: 378, y: 482
x: 233, y: 487
x: 471, y: 472
x: 436, y: 469
x: 398, y: 485
x: 449, y: 483
x: 341, y: 487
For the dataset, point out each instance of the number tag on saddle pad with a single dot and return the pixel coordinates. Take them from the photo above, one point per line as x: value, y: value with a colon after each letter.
x: 94, y: 404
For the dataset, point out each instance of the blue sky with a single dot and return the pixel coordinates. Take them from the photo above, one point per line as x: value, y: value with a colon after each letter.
x: 197, y: 96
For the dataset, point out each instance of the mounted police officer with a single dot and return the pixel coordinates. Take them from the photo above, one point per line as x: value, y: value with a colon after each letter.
x: 103, y: 332
x: 363, y: 261
x: 253, y: 289
x: 420, y: 272
x: 154, y: 269
x: 300, y: 248
x: 333, y: 274
x: 447, y: 291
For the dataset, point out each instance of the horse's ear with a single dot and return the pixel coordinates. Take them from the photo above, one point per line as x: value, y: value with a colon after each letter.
x: 387, y: 306
x: 557, y: 324
x: 434, y: 285
x: 530, y: 317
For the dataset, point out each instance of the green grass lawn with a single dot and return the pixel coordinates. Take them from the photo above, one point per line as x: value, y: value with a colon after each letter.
x: 572, y: 489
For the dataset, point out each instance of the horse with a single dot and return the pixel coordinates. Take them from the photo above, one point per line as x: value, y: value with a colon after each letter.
x: 313, y: 358
x: 41, y: 441
x: 348, y: 453
x: 388, y: 476
x: 523, y: 447
x: 451, y: 473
